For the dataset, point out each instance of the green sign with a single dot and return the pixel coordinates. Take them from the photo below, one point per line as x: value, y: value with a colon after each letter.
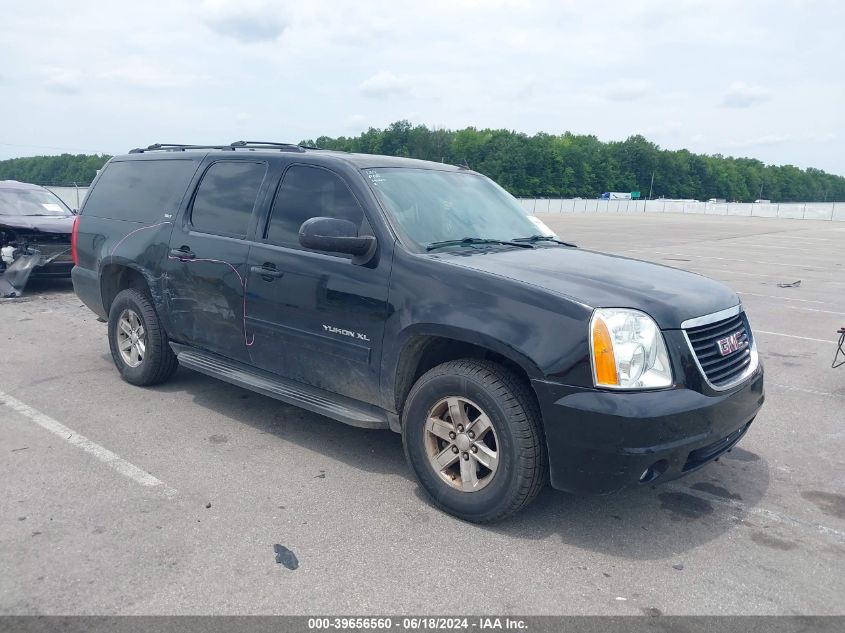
x: 635, y: 195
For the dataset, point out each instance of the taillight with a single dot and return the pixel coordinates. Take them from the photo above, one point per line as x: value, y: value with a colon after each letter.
x: 74, y: 235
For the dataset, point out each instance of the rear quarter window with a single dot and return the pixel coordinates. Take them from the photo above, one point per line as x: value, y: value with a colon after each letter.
x: 140, y: 190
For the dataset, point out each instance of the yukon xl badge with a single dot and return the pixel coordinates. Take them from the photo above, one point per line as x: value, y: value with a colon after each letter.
x: 336, y: 330
x: 730, y: 344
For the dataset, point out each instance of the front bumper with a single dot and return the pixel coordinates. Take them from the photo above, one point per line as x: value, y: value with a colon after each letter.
x: 54, y: 269
x: 601, y: 441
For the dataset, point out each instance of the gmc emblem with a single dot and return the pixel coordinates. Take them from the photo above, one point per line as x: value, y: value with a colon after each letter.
x: 730, y: 344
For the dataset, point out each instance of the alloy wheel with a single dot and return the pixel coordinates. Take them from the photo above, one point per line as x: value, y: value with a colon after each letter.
x: 461, y: 444
x: 131, y: 338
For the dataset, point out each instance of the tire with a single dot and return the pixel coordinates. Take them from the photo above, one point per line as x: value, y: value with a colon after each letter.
x: 468, y: 387
x: 158, y: 362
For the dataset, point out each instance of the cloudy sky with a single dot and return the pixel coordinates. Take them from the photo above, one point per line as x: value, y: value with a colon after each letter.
x: 744, y: 78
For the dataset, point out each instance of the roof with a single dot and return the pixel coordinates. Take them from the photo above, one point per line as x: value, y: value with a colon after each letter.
x: 260, y: 148
x: 365, y: 161
x: 14, y: 184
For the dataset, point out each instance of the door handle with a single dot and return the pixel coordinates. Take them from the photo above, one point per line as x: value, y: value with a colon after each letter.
x: 268, y: 271
x: 183, y: 252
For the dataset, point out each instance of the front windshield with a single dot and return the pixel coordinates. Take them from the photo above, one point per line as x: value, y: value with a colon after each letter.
x: 433, y: 206
x: 31, y: 202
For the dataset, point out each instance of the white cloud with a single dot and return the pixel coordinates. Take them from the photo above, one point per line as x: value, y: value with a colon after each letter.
x: 626, y: 90
x: 137, y: 71
x: 385, y: 84
x: 248, y: 21
x: 662, y: 130
x: 825, y: 137
x: 743, y: 95
x: 758, y: 141
x: 64, y: 81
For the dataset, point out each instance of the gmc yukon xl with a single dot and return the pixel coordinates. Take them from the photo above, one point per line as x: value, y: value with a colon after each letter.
x: 387, y: 292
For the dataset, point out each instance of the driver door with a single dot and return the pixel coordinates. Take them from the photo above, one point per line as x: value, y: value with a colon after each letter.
x: 316, y: 317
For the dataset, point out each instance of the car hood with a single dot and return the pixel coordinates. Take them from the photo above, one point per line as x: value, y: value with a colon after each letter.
x: 598, y: 280
x: 42, y: 223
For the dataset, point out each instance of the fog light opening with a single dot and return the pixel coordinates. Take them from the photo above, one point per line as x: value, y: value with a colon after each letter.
x: 654, y: 471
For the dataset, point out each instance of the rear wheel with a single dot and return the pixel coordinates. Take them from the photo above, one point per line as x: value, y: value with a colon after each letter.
x: 471, y: 432
x: 139, y: 346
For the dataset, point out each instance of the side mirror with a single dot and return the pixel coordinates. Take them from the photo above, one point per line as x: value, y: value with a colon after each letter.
x: 335, y: 236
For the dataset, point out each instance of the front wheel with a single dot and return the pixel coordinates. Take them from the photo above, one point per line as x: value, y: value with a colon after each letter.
x: 471, y: 432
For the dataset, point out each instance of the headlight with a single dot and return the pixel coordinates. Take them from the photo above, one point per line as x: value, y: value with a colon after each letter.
x: 627, y: 350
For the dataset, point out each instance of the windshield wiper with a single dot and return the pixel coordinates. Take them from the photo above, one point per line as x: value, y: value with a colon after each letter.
x: 543, y: 238
x: 475, y: 240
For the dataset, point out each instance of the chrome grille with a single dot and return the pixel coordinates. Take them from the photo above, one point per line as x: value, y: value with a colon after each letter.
x: 723, y: 370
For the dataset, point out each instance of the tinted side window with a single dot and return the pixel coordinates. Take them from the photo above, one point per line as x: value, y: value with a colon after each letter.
x: 309, y: 192
x: 140, y: 190
x: 226, y: 196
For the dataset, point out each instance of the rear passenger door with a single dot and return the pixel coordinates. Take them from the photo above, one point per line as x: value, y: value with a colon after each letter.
x: 316, y: 317
x: 207, y: 260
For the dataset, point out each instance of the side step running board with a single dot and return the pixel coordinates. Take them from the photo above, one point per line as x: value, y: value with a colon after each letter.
x: 330, y: 405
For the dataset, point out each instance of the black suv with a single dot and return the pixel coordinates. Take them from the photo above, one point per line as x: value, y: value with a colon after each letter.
x: 387, y: 292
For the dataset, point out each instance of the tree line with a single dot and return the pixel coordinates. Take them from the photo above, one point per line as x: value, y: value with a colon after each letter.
x: 62, y: 170
x: 540, y: 165
x: 581, y: 166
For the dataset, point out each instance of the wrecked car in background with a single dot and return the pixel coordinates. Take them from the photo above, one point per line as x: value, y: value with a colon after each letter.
x: 35, y: 228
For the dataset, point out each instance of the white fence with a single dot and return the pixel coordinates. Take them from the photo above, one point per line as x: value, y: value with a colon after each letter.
x: 793, y: 210
x: 71, y: 196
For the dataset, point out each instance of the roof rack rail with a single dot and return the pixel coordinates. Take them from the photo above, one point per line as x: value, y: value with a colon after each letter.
x: 251, y: 145
x: 174, y: 147
x: 268, y: 145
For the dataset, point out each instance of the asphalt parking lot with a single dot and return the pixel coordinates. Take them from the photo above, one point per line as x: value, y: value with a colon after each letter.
x: 231, y: 473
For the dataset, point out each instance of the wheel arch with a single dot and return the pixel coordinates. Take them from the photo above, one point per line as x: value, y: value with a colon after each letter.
x: 423, y: 348
x: 115, y: 278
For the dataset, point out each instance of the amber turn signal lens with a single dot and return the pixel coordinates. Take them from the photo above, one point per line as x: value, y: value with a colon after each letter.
x: 604, y: 363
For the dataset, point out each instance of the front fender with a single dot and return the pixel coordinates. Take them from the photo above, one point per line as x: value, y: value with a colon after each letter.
x: 413, y: 343
x: 545, y: 334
